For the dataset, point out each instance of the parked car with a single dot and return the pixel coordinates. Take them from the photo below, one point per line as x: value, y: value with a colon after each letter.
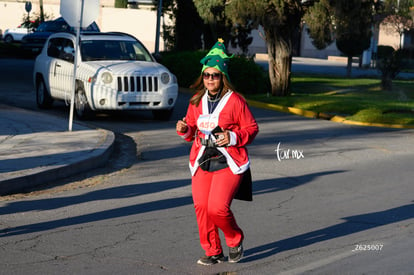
x: 115, y: 72
x: 16, y: 34
x: 34, y: 42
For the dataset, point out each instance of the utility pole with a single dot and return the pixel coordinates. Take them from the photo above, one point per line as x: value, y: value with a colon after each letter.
x: 42, y: 16
x: 157, y: 33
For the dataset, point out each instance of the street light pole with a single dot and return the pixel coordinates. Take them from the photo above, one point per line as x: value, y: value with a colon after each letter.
x: 157, y: 33
x: 42, y: 16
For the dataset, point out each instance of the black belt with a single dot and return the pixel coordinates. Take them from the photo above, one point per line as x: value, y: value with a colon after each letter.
x: 208, y: 142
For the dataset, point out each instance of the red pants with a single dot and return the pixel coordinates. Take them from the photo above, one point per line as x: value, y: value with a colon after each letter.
x: 213, y: 193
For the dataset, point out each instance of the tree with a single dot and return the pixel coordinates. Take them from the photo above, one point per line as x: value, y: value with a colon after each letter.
x: 320, y: 24
x: 353, y: 22
x: 42, y: 16
x: 399, y: 16
x: 349, y: 22
x: 188, y: 26
x: 240, y: 37
x: 216, y: 20
x: 389, y: 65
x: 280, y: 21
x: 191, y: 32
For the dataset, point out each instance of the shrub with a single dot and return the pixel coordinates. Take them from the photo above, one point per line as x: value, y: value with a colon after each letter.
x: 185, y: 65
x: 245, y: 74
x: 384, y: 51
x: 408, y: 53
x: 121, y: 4
x: 389, y: 65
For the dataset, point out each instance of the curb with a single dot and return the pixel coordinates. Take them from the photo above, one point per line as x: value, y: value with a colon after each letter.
x: 343, y: 120
x: 98, y: 157
x: 311, y: 114
x: 333, y: 118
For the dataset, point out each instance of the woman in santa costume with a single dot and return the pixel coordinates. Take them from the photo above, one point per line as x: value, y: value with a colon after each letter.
x: 220, y: 125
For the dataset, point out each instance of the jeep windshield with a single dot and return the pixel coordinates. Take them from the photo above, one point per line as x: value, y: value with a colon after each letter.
x: 93, y: 50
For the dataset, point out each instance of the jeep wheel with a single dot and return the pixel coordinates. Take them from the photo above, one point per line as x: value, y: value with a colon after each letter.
x: 43, y: 98
x: 164, y: 115
x: 8, y: 39
x: 81, y: 104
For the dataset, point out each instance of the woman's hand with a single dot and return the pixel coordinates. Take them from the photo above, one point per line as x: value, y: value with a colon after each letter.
x: 181, y: 126
x: 223, y: 138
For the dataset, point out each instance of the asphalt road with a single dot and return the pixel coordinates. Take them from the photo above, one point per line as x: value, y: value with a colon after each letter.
x: 328, y: 199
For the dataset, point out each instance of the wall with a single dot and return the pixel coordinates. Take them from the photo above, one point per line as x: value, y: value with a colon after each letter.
x: 140, y: 23
x: 12, y: 13
x: 389, y: 38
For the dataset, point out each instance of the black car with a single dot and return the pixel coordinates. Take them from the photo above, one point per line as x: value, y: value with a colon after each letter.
x: 33, y: 42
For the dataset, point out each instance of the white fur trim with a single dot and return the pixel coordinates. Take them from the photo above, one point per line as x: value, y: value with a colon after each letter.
x: 220, y: 105
x: 233, y: 139
x: 232, y: 164
x: 194, y: 168
x: 187, y: 134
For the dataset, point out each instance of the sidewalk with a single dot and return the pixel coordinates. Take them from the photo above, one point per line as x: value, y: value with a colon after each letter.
x: 36, y: 148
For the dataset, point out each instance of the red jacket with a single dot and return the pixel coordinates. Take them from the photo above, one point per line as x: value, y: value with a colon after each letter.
x: 233, y: 114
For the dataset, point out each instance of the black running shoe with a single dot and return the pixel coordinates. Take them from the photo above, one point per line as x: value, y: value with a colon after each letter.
x: 236, y: 253
x: 210, y: 260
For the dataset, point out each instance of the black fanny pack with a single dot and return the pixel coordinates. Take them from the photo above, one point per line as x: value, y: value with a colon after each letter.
x: 212, y: 160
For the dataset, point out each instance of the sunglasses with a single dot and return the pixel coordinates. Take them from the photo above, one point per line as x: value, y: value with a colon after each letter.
x: 215, y: 76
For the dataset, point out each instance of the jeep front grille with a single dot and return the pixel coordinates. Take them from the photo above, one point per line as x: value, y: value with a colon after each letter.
x: 137, y: 83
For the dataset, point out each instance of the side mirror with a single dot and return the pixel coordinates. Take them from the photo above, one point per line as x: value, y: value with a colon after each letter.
x: 68, y: 57
x: 158, y: 57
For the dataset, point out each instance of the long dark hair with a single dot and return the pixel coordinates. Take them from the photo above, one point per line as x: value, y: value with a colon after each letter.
x: 200, y: 89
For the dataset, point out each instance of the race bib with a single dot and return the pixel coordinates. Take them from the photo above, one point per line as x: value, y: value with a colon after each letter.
x: 206, y: 123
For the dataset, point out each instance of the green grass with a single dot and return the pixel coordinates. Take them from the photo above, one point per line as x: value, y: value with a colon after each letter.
x: 358, y: 99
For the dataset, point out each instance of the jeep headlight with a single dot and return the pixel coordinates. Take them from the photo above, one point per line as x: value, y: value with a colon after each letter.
x: 107, y: 77
x: 165, y: 78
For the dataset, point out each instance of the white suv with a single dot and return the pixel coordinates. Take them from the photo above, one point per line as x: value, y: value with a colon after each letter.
x: 16, y: 34
x: 115, y: 72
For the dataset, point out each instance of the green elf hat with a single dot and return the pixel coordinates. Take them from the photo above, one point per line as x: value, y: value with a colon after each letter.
x: 217, y: 58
